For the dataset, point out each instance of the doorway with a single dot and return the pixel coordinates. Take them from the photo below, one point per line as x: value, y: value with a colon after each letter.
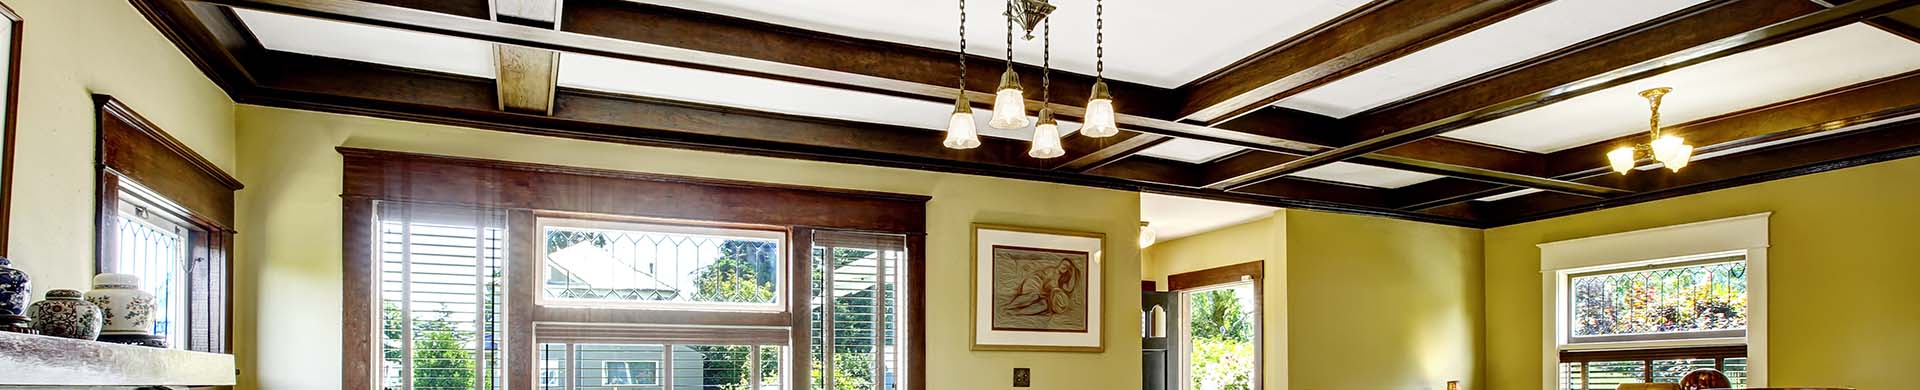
x: 1219, y: 330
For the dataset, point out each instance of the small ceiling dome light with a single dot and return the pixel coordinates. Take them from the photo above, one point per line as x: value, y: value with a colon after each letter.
x: 1147, y: 235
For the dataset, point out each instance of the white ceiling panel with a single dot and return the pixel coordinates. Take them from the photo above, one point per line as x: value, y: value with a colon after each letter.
x: 1777, y: 73
x: 1366, y: 175
x: 1174, y: 217
x: 1188, y: 150
x: 1161, y: 43
x: 1536, y: 32
x: 693, y: 85
x: 370, y: 44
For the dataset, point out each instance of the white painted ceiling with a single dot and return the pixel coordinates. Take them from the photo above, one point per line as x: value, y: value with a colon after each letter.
x: 1538, y: 31
x: 1160, y: 43
x: 370, y: 44
x: 1174, y: 216
x: 1190, y: 151
x: 1365, y: 175
x: 1772, y: 74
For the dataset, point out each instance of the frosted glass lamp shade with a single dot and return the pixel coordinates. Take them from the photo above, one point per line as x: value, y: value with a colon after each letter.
x: 1099, y: 121
x: 1667, y: 147
x: 1046, y: 138
x: 1009, y: 104
x: 1147, y: 236
x: 961, y: 132
x: 1621, y: 159
x: 1680, y: 158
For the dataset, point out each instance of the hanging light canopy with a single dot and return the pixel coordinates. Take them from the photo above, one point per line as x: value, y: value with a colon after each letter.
x: 961, y: 132
x: 1670, y: 150
x: 1099, y: 121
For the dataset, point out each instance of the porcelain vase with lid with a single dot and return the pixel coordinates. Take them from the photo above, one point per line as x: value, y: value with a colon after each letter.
x: 65, y: 314
x: 125, y: 309
x: 15, y: 289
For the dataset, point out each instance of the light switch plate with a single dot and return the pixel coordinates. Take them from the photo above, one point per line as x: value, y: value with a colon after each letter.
x: 1022, y: 377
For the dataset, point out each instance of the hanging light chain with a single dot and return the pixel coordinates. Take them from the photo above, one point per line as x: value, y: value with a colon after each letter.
x: 1010, y: 23
x: 1099, y: 39
x: 963, y: 47
x: 1046, y: 60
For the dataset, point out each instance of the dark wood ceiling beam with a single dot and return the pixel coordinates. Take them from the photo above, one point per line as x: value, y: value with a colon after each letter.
x: 1877, y: 100
x: 1103, y: 151
x: 333, y: 85
x: 1720, y: 48
x: 1891, y: 23
x: 526, y: 77
x: 1354, y: 42
x: 1860, y: 147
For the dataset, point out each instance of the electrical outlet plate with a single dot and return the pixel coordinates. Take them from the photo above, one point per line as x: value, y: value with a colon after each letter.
x: 1022, y: 377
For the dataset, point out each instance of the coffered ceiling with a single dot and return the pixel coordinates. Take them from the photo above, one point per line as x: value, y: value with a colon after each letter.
x: 1466, y: 112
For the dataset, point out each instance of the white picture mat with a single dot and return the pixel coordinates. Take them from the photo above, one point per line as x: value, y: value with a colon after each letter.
x: 983, y: 291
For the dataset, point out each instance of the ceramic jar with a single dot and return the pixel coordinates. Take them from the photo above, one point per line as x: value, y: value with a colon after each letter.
x: 127, y: 311
x: 65, y: 314
x: 15, y: 290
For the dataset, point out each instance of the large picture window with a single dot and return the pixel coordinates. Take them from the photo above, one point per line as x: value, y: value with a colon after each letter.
x: 465, y: 274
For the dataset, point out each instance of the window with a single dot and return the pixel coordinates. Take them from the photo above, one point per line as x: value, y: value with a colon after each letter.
x: 603, y: 262
x: 630, y: 373
x: 1216, y: 340
x: 1648, y: 306
x: 1673, y: 301
x: 854, y: 310
x: 441, y: 270
x: 152, y: 244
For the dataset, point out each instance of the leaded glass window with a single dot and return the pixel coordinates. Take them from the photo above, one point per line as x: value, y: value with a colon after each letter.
x: 1690, y: 300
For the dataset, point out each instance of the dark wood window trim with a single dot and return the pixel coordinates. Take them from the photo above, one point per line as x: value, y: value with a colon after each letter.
x: 1254, y: 272
x: 133, y: 150
x: 527, y: 191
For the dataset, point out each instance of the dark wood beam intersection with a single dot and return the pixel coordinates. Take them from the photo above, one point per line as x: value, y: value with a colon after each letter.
x: 1876, y: 100
x: 1361, y: 39
x: 1719, y: 48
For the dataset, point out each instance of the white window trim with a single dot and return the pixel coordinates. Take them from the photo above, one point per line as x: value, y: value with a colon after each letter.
x: 1744, y: 234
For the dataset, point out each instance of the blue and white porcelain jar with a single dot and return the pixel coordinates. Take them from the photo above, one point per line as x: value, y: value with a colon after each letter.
x: 127, y: 310
x: 64, y: 314
x: 15, y: 289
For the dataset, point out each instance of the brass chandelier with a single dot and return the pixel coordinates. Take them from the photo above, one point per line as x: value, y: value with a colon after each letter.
x: 1009, y: 103
x: 1670, y: 150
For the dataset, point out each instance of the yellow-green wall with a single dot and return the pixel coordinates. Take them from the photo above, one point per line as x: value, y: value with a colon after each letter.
x: 1842, y: 302
x: 1382, y: 304
x: 1263, y: 240
x: 289, y: 274
x: 73, y: 49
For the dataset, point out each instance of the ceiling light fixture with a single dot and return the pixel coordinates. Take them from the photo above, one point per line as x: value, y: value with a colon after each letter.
x: 1147, y: 235
x: 961, y: 132
x: 1099, y: 119
x: 1009, y: 102
x: 1670, y: 150
x: 1046, y: 135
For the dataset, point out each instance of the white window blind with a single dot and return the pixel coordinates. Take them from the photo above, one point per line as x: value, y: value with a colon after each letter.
x: 854, y: 310
x: 442, y: 272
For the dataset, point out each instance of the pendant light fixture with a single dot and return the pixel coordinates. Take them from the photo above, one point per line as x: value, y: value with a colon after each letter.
x: 1099, y: 119
x: 1046, y: 135
x: 1009, y: 102
x: 961, y: 132
x: 1670, y: 150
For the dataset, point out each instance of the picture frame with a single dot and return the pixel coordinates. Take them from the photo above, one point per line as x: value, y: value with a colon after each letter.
x: 14, y: 28
x: 1037, y: 289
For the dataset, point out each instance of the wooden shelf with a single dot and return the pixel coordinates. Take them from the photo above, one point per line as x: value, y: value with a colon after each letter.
x: 43, y: 361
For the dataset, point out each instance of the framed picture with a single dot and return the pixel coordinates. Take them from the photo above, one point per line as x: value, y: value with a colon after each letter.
x: 10, y: 26
x: 1037, y: 289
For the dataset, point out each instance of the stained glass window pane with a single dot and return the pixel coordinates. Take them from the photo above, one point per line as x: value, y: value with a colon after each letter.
x: 1668, y: 302
x: 630, y: 262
